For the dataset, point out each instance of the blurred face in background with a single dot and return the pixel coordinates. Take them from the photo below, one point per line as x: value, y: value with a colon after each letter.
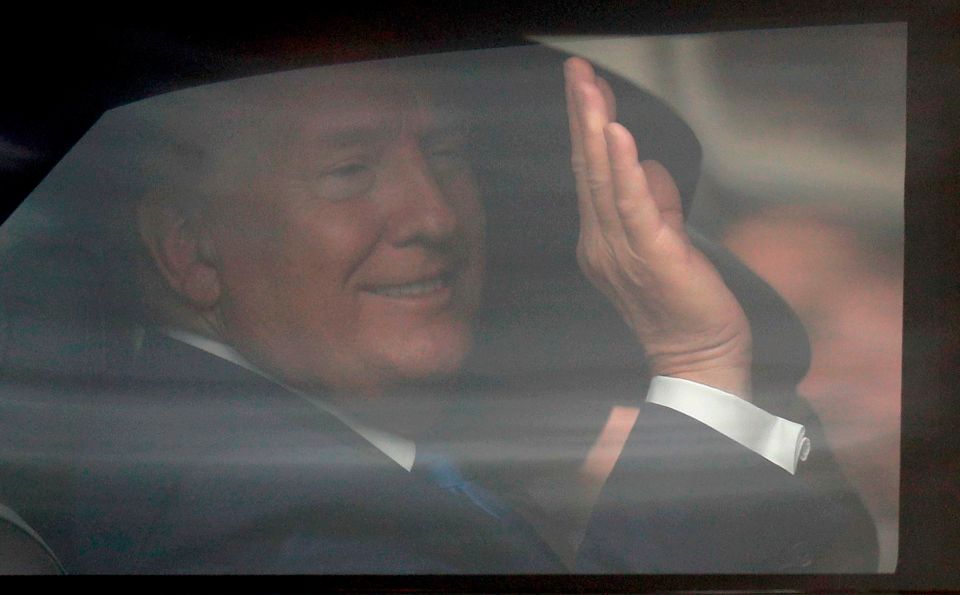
x: 350, y: 258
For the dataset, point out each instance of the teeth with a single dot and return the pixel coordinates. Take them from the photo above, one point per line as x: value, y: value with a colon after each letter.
x: 411, y: 289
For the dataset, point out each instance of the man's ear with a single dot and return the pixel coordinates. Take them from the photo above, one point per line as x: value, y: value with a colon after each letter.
x: 179, y: 250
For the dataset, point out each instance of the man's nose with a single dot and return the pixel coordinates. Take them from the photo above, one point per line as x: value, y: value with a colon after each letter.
x: 421, y: 211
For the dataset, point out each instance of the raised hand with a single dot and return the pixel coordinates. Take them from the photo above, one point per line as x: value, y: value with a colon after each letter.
x: 634, y: 249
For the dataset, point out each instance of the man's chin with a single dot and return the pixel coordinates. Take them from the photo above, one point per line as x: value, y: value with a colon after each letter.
x: 430, y: 357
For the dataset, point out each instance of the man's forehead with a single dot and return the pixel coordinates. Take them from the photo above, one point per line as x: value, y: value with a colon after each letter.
x: 359, y: 111
x: 333, y: 105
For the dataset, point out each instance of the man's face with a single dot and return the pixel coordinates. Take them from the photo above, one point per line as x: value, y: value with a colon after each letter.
x: 352, y: 258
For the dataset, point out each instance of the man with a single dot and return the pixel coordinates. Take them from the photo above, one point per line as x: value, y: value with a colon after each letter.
x: 311, y: 266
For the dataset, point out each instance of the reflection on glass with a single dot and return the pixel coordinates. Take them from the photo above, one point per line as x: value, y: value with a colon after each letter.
x: 365, y: 318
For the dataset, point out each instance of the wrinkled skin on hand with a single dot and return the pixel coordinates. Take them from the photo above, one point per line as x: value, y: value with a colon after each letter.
x: 633, y: 247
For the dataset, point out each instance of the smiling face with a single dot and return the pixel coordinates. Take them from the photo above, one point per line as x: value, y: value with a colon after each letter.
x: 351, y: 256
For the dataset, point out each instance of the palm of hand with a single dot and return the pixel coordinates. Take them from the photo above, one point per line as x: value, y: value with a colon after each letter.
x: 633, y: 247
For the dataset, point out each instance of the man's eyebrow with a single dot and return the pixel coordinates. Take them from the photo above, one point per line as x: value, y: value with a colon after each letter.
x: 375, y: 135
x: 360, y: 134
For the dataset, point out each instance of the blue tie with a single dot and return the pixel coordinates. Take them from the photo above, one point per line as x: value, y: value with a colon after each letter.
x: 440, y: 470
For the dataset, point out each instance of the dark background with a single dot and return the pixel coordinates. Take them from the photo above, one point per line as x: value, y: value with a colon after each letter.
x: 61, y: 70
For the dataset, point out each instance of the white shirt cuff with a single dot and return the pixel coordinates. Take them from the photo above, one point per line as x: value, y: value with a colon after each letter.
x: 780, y: 441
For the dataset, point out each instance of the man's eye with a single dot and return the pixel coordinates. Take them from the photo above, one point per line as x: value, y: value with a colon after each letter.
x: 348, y: 171
x: 345, y: 181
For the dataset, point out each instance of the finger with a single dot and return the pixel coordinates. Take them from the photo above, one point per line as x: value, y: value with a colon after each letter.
x: 592, y: 114
x: 609, y: 98
x: 665, y: 193
x: 577, y: 70
x: 636, y: 207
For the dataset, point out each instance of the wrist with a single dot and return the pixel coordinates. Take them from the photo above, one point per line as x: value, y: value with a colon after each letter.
x: 733, y: 381
x: 729, y: 371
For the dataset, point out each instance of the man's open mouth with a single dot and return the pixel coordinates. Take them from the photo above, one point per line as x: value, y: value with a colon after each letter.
x: 416, y: 289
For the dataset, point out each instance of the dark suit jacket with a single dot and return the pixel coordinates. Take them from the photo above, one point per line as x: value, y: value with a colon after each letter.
x: 685, y: 499
x: 183, y: 462
x: 186, y: 463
